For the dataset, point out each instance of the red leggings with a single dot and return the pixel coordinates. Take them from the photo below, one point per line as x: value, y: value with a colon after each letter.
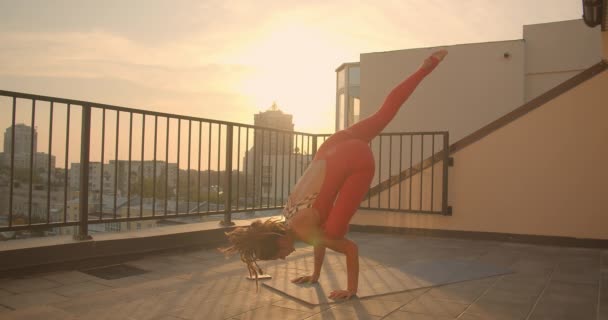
x: 349, y: 162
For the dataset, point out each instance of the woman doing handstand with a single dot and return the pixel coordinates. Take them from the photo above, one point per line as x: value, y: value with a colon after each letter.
x: 327, y: 195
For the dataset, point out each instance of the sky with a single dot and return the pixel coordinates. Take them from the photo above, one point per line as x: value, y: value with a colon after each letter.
x: 227, y: 60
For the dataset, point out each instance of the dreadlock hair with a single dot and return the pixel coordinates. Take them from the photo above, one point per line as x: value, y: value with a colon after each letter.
x: 256, y: 242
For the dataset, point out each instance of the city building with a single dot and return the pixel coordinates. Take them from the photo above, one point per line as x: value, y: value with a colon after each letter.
x: 273, y: 141
x: 122, y: 173
x: 44, y: 205
x: 270, y: 148
x: 23, y: 139
x: 21, y: 156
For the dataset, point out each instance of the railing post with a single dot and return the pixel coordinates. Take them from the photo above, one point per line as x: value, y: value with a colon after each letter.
x: 85, y: 140
x: 228, y: 179
x: 314, y: 145
x: 446, y: 159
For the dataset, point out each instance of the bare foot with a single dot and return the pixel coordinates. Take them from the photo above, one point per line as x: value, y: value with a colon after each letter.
x: 438, y: 55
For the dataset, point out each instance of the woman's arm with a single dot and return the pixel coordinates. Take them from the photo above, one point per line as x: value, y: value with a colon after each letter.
x: 319, y: 256
x: 319, y: 253
x: 350, y: 249
x: 309, y: 231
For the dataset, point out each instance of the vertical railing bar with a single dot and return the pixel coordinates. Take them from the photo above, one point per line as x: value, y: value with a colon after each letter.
x: 379, y: 170
x: 301, y: 154
x: 390, y: 168
x: 276, y: 166
x: 400, y: 166
x: 255, y: 154
x: 290, y: 151
x: 432, y: 169
x: 446, y: 156
x: 411, y: 169
x: 238, y: 166
x: 295, y: 162
x: 141, y: 167
x: 167, y: 166
x: 228, y: 176
x: 48, y: 168
x: 209, y: 170
x: 10, y: 197
x: 262, y: 170
x: 309, y: 151
x: 219, y: 152
x: 283, y: 139
x: 189, y: 156
x: 129, y: 165
x: 304, y: 157
x: 246, y: 169
x: 421, y: 166
x: 116, y: 162
x: 154, y: 166
x: 269, y: 167
x: 85, y: 139
x: 179, y: 137
x: 67, y: 148
x: 369, y: 194
x: 32, y: 169
x: 198, y: 190
x: 103, y: 149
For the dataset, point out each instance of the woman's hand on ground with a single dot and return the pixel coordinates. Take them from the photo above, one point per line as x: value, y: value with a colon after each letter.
x: 341, y: 294
x: 305, y: 279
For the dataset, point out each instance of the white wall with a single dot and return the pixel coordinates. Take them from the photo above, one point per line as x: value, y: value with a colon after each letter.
x: 472, y: 87
x: 477, y: 84
x: 556, y: 52
x: 542, y: 174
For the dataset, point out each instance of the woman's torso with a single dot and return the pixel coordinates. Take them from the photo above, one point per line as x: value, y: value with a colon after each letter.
x: 316, y: 190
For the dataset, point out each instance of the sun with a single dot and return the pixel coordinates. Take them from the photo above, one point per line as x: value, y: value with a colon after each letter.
x: 294, y: 66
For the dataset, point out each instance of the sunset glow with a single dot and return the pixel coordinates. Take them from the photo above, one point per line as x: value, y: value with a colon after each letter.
x: 228, y: 61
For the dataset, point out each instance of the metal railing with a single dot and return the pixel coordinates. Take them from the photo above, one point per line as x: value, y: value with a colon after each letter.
x: 136, y: 165
x: 415, y: 167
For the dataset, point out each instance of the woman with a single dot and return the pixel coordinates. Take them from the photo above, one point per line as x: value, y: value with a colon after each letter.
x: 327, y: 195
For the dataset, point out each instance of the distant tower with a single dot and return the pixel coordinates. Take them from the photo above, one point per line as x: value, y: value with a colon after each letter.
x: 22, y: 154
x: 269, y: 148
x: 273, y: 142
x: 23, y: 139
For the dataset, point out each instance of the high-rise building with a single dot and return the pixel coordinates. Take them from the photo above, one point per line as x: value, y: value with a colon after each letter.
x: 270, y: 149
x: 270, y: 141
x: 22, y: 154
x: 23, y: 139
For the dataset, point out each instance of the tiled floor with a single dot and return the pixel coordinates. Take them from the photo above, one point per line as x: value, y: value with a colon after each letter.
x: 549, y: 283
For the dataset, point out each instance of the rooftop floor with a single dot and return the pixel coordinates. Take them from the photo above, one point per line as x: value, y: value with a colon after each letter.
x: 547, y: 283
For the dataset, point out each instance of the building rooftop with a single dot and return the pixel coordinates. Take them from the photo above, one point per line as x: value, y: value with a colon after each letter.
x: 547, y: 283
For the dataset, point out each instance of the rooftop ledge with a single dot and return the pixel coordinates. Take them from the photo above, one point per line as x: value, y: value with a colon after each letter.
x: 34, y: 255
x: 57, y: 252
